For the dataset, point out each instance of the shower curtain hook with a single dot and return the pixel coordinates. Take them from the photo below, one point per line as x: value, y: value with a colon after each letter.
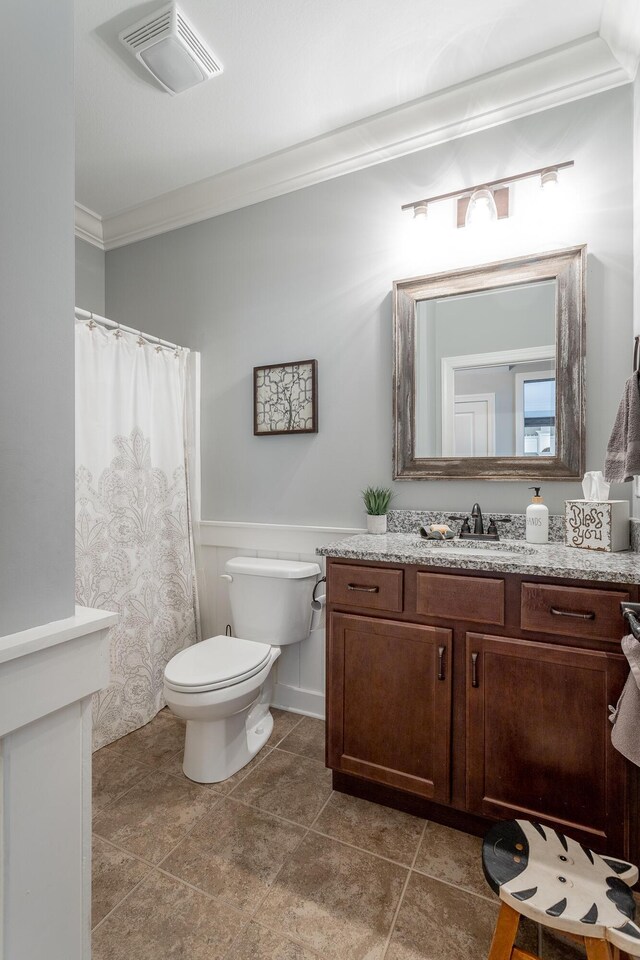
x: 91, y: 324
x: 141, y: 341
x: 117, y: 332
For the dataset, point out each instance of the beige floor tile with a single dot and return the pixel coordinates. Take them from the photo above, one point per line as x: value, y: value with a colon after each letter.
x: 288, y: 786
x: 234, y: 853
x: 283, y: 723
x: 337, y: 900
x: 307, y: 739
x: 453, y: 856
x: 154, y: 815
x: 114, y: 875
x: 112, y: 776
x: 439, y: 922
x: 174, y: 767
x: 389, y: 833
x: 165, y: 919
x: 256, y: 943
x: 554, y: 947
x: 152, y: 744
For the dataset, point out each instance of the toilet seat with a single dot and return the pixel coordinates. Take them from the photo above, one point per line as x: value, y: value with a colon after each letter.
x: 216, y: 663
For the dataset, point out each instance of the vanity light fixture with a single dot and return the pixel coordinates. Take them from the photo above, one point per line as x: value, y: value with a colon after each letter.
x: 549, y: 180
x: 486, y: 202
x: 481, y: 208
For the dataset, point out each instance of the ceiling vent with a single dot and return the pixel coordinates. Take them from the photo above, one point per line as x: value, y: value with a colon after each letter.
x: 170, y: 48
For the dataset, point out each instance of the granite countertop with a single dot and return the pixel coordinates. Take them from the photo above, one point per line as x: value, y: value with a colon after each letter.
x: 507, y: 556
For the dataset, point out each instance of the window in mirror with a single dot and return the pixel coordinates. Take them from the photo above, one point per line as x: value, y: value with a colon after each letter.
x: 536, y: 414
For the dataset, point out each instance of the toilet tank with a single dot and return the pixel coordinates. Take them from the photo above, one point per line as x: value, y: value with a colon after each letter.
x: 271, y: 599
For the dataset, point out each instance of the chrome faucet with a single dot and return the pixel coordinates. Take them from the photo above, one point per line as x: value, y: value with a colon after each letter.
x: 476, y: 514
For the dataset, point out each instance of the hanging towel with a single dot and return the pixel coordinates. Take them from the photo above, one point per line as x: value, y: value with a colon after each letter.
x: 622, y: 461
x: 625, y: 735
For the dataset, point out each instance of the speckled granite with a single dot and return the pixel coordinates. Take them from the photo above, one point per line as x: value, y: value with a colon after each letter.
x: 509, y: 556
x: 634, y: 534
x: 410, y: 521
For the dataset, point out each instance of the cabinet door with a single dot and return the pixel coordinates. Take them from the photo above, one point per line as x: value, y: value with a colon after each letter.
x: 389, y: 703
x: 539, y: 737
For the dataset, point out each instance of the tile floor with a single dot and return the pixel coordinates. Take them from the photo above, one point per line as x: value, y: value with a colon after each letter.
x: 273, y: 865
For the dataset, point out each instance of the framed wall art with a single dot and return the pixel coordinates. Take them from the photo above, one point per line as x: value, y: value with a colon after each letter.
x: 285, y: 398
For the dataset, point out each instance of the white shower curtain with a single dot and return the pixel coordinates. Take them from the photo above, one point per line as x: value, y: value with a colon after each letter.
x: 134, y: 541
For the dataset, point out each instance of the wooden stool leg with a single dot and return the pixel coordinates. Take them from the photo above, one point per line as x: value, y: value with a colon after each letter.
x: 597, y: 949
x: 505, y: 933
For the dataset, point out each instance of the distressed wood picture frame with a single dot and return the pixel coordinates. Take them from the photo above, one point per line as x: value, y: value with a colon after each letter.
x: 285, y: 398
x: 567, y: 268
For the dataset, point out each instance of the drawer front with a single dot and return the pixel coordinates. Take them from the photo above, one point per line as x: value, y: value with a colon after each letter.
x: 475, y: 599
x: 572, y: 611
x: 372, y: 588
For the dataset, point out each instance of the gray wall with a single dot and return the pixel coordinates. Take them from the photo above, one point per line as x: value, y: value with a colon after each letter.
x: 309, y: 274
x: 36, y: 297
x: 89, y: 277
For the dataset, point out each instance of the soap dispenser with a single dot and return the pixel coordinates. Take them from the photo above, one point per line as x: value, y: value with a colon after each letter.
x: 537, y: 519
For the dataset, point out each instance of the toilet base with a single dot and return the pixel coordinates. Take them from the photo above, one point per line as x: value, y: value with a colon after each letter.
x: 216, y: 749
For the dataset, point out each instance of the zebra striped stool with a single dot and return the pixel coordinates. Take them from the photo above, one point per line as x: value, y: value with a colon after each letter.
x: 553, y: 880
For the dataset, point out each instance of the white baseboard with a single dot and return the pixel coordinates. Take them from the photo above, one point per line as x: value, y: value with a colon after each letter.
x: 307, y: 702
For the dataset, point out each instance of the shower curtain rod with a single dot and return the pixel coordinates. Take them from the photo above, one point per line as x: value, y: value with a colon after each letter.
x: 105, y: 322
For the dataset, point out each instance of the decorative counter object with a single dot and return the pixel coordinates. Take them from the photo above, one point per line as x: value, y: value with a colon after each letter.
x: 376, y: 503
x: 597, y: 524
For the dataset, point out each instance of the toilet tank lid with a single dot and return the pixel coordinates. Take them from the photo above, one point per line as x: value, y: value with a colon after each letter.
x: 266, y: 567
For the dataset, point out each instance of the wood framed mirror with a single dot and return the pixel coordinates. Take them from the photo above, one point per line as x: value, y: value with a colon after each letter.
x: 488, y: 379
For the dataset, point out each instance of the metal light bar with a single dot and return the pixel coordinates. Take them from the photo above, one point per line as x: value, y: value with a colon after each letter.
x: 492, y: 184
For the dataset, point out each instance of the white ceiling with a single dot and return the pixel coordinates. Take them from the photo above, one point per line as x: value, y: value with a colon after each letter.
x: 293, y: 70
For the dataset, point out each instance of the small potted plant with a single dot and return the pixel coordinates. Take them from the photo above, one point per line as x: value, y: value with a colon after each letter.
x: 376, y: 503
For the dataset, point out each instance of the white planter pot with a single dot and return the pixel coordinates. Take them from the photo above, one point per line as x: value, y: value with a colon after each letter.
x: 376, y: 524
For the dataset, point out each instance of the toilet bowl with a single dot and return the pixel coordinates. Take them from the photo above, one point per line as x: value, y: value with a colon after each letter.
x: 223, y: 686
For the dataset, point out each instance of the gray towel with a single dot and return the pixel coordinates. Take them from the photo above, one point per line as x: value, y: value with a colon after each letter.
x: 622, y: 461
x: 625, y: 735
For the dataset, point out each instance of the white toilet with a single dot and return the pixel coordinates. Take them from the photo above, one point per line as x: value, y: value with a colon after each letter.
x: 223, y: 686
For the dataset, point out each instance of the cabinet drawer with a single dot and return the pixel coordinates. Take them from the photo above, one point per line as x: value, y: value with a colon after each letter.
x: 373, y: 588
x: 572, y: 611
x: 475, y: 599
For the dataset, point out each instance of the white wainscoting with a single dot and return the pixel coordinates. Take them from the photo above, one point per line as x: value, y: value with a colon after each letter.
x: 299, y: 679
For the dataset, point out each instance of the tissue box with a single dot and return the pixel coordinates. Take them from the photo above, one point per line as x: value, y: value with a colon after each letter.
x: 597, y: 524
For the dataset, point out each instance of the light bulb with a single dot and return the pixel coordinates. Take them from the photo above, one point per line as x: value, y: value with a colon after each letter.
x: 549, y: 181
x: 482, y: 208
x: 420, y: 210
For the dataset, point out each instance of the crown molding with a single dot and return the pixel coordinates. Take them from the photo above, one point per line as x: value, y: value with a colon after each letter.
x: 620, y: 28
x: 559, y: 76
x: 89, y: 226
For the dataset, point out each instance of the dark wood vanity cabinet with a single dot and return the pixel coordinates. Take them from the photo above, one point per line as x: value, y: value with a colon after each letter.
x: 538, y: 737
x: 390, y: 694
x: 469, y: 720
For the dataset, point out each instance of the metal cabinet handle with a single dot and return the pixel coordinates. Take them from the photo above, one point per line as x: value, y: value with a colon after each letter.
x: 357, y: 586
x: 557, y: 612
x: 441, y: 652
x: 474, y: 670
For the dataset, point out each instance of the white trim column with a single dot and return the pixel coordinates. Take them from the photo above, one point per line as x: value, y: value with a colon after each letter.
x: 48, y: 675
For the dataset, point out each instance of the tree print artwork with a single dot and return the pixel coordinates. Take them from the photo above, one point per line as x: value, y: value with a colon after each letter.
x: 285, y: 398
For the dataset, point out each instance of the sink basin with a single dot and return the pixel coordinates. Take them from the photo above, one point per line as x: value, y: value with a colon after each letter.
x: 475, y: 548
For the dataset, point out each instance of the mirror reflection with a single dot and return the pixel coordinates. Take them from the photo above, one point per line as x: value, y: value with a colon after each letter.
x: 485, y: 373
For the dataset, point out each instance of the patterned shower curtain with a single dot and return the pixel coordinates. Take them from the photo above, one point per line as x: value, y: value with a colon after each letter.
x: 134, y: 540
